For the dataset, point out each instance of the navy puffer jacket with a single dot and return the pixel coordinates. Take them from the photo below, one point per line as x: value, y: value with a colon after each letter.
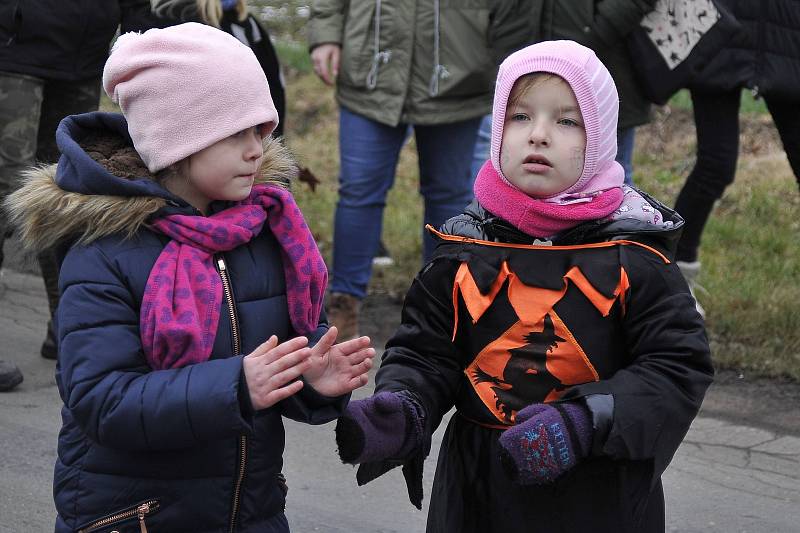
x: 764, y: 55
x: 179, y: 449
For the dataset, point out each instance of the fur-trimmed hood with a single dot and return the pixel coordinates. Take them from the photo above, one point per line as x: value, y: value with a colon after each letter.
x: 102, y: 187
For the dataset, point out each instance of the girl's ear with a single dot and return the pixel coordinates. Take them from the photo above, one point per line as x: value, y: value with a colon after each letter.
x: 171, y: 172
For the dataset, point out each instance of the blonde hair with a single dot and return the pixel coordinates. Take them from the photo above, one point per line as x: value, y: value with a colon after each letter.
x: 210, y: 11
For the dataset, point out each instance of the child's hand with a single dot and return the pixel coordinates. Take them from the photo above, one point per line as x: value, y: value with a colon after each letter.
x: 388, y: 425
x: 546, y: 442
x: 338, y: 369
x: 271, y: 366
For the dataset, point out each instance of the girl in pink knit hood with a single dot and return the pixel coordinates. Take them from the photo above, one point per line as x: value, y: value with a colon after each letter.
x: 554, y: 321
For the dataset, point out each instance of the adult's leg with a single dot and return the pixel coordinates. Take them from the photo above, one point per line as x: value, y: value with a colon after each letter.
x: 716, y: 118
x: 368, y: 154
x: 20, y: 100
x: 625, y: 144
x: 60, y: 100
x: 445, y: 160
x: 20, y: 104
x: 786, y: 115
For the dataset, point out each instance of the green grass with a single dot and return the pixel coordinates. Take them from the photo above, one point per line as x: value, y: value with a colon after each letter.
x: 751, y: 262
x: 749, y: 252
x: 750, y: 255
x: 749, y: 106
x: 293, y: 56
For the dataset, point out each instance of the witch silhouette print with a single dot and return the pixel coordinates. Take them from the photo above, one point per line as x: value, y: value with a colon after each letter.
x: 525, y: 374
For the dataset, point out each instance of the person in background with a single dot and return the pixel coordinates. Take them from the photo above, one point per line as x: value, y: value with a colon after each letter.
x: 603, y: 26
x: 553, y: 319
x: 232, y: 16
x: 395, y: 64
x: 766, y: 62
x: 51, y: 57
x: 191, y: 317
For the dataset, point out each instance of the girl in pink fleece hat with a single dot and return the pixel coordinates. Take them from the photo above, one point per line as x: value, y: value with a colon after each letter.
x: 191, y: 315
x: 554, y: 321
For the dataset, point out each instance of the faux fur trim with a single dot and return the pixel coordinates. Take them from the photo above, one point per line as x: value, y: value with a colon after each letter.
x: 44, y: 214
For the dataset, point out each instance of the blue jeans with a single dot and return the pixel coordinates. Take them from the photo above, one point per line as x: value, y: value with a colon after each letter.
x: 625, y: 141
x: 368, y: 154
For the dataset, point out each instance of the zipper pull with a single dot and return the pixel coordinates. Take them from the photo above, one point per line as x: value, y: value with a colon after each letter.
x: 221, y: 265
x: 141, y: 511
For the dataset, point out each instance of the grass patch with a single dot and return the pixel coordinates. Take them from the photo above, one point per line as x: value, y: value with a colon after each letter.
x: 750, y: 257
x: 749, y: 105
x: 751, y: 262
x: 293, y: 56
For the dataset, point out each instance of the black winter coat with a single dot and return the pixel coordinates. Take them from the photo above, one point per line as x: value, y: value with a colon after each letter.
x: 65, y: 39
x: 184, y: 442
x: 764, y: 56
x: 641, y: 368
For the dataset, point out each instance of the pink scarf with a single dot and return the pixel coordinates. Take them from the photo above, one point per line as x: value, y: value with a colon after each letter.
x: 183, y: 296
x: 539, y: 218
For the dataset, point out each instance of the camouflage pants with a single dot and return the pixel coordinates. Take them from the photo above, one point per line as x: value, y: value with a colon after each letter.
x: 30, y: 110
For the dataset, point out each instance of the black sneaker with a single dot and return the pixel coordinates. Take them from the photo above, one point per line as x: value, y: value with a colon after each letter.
x: 49, y: 348
x: 382, y: 257
x: 10, y: 376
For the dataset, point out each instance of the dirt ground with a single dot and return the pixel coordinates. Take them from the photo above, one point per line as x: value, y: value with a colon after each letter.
x: 734, y: 396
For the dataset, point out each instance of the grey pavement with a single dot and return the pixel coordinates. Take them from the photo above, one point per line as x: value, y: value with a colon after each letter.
x: 729, y: 475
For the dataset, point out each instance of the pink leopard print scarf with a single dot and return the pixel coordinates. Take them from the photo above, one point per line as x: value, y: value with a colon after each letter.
x: 183, y: 296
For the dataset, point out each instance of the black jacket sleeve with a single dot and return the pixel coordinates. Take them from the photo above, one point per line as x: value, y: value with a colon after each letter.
x: 658, y: 392
x: 136, y: 15
x: 421, y: 356
x: 615, y: 19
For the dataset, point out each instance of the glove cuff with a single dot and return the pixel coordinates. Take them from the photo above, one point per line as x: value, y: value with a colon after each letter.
x: 578, y: 422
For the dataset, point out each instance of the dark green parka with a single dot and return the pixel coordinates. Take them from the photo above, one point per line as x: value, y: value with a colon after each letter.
x: 411, y: 61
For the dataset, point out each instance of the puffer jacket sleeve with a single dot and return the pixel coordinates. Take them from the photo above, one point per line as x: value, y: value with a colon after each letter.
x: 108, y: 387
x: 326, y: 23
x: 658, y: 392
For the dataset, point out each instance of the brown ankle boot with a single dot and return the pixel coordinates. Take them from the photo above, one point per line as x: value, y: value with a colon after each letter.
x: 343, y: 312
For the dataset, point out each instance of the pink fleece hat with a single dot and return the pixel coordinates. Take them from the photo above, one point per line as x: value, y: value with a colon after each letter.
x: 597, y: 98
x: 184, y: 88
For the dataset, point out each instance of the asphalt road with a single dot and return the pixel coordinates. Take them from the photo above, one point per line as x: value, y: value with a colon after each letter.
x: 738, y: 470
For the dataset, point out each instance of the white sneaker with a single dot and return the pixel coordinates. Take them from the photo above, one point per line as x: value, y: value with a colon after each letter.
x: 690, y: 273
x: 382, y: 257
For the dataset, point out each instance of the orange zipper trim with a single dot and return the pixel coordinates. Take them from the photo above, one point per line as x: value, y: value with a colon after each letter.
x: 455, y: 238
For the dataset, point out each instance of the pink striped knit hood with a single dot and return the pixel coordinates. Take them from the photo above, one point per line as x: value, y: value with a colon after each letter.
x: 598, y: 101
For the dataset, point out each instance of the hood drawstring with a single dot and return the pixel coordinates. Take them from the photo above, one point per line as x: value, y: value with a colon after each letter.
x: 439, y: 70
x: 380, y: 56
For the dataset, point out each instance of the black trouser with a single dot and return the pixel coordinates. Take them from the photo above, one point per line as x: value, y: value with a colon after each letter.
x: 716, y: 117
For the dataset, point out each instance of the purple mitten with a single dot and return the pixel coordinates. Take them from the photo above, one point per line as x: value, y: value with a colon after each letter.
x: 547, y: 441
x: 387, y: 425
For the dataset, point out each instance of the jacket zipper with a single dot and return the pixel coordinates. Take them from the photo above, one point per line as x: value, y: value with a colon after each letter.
x: 140, y: 511
x: 226, y: 286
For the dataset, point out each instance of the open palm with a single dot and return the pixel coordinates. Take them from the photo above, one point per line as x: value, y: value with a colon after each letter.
x: 337, y: 369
